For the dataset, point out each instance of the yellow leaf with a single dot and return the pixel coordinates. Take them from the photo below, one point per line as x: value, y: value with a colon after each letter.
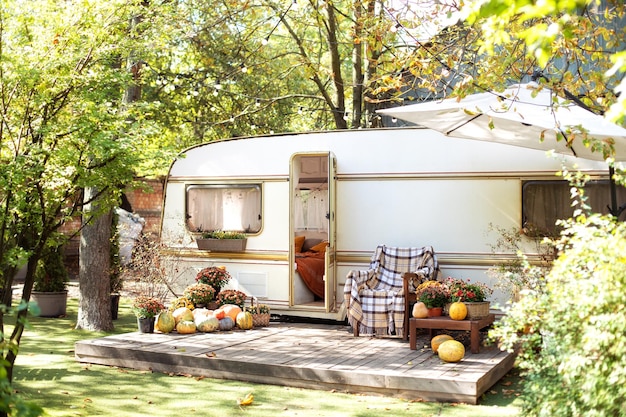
x: 247, y: 400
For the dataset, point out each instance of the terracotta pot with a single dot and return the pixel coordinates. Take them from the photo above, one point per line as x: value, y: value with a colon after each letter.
x: 435, y: 312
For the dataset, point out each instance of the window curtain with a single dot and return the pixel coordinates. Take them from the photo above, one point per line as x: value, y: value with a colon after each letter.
x: 310, y: 210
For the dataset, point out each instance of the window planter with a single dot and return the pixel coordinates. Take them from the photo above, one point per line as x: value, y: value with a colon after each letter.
x: 222, y: 245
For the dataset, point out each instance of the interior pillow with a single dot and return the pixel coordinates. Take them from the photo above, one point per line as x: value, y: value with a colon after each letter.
x: 299, y: 241
x: 309, y: 243
x: 320, y: 247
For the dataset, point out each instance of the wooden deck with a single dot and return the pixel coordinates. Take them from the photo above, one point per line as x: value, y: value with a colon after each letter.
x: 307, y: 356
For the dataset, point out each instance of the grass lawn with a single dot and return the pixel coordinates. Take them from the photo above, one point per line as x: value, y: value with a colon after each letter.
x: 47, y: 374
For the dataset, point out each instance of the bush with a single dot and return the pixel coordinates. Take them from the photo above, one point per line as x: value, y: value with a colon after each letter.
x: 571, y: 333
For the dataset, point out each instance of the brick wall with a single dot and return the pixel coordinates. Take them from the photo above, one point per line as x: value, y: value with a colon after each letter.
x: 146, y: 201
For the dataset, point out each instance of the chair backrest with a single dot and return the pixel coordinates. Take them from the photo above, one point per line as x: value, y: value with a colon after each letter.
x: 389, y: 263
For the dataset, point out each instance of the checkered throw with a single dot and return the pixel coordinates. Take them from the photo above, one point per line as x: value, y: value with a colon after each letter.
x: 375, y: 298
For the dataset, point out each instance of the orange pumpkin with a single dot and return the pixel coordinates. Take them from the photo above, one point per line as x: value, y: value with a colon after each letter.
x: 438, y: 340
x: 451, y: 351
x: 231, y: 310
x: 458, y: 311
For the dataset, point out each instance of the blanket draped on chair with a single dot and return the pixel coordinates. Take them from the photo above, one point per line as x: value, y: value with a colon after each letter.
x: 375, y: 298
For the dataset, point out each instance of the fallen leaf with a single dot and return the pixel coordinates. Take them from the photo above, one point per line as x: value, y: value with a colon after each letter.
x: 200, y: 378
x: 87, y: 400
x: 211, y: 355
x: 507, y: 383
x: 247, y: 400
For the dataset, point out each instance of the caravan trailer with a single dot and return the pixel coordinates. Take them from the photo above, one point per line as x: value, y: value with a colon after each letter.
x: 345, y: 192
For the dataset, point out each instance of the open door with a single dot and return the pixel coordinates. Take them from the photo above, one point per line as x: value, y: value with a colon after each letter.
x: 330, y: 259
x: 312, y: 231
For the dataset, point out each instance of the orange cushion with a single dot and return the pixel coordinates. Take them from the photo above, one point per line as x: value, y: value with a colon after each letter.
x: 299, y: 241
x: 320, y: 247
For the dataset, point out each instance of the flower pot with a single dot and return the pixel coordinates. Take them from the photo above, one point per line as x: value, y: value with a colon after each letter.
x: 145, y: 324
x: 115, y: 305
x: 222, y: 245
x: 51, y: 304
x: 477, y: 310
x: 435, y: 311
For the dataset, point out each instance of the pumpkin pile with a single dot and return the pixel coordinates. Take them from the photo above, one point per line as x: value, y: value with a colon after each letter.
x: 187, y: 321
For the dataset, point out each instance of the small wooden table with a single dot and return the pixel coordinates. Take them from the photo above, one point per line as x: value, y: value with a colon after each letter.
x: 446, y: 323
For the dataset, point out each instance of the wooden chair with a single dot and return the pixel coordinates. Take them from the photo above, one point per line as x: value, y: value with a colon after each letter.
x: 375, y: 298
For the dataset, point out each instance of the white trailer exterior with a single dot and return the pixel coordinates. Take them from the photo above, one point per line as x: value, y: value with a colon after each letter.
x: 399, y: 187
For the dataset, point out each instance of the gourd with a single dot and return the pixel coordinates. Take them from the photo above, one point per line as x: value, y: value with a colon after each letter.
x: 451, y: 351
x: 231, y: 310
x: 165, y: 322
x: 200, y: 312
x: 226, y: 324
x: 219, y: 313
x: 458, y: 311
x: 420, y: 311
x: 208, y: 324
x: 436, y: 341
x: 186, y: 327
x: 244, y: 321
x: 182, y: 314
x: 181, y: 302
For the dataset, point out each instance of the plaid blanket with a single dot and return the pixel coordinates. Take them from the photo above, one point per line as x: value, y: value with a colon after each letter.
x: 375, y: 298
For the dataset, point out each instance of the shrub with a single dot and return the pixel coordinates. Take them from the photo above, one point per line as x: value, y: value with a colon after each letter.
x: 571, y: 332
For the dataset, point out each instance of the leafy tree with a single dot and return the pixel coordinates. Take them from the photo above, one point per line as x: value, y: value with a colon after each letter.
x: 63, y: 127
x: 569, y: 330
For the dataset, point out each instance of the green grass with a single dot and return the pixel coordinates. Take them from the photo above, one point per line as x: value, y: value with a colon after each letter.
x: 47, y: 373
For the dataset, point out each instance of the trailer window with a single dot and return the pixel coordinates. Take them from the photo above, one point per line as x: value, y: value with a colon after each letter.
x: 224, y: 207
x: 544, y: 202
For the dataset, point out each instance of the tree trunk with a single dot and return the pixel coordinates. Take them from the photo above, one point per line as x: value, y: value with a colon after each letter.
x: 94, y: 308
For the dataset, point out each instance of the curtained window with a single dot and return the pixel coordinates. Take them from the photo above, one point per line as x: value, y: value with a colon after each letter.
x: 544, y: 202
x: 224, y: 207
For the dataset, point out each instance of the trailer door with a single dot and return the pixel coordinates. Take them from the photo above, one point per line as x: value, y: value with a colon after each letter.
x: 330, y: 260
x: 313, y: 285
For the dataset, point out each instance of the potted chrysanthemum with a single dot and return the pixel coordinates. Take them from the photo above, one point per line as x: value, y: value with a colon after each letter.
x: 146, y: 309
x: 473, y: 294
x: 199, y: 294
x: 215, y: 276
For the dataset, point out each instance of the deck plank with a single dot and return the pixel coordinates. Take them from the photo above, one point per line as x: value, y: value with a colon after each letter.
x: 307, y: 356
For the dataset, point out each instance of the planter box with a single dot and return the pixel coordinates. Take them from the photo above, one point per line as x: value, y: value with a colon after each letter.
x: 222, y: 245
x: 51, y: 304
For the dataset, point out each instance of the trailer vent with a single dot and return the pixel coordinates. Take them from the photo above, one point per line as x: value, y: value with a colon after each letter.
x: 253, y: 283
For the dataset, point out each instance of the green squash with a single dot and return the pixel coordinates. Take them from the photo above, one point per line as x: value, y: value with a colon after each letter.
x: 244, y: 321
x: 165, y: 322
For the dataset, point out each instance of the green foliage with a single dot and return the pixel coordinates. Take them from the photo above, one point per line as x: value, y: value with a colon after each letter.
x: 223, y: 234
x: 11, y: 404
x: 571, y: 334
x: 51, y: 274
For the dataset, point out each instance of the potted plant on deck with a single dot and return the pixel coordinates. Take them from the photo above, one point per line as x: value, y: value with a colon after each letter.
x: 50, y: 289
x: 199, y: 294
x: 222, y: 241
x: 146, y: 309
x: 215, y: 276
x: 232, y: 297
x: 434, y: 295
x: 473, y: 295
